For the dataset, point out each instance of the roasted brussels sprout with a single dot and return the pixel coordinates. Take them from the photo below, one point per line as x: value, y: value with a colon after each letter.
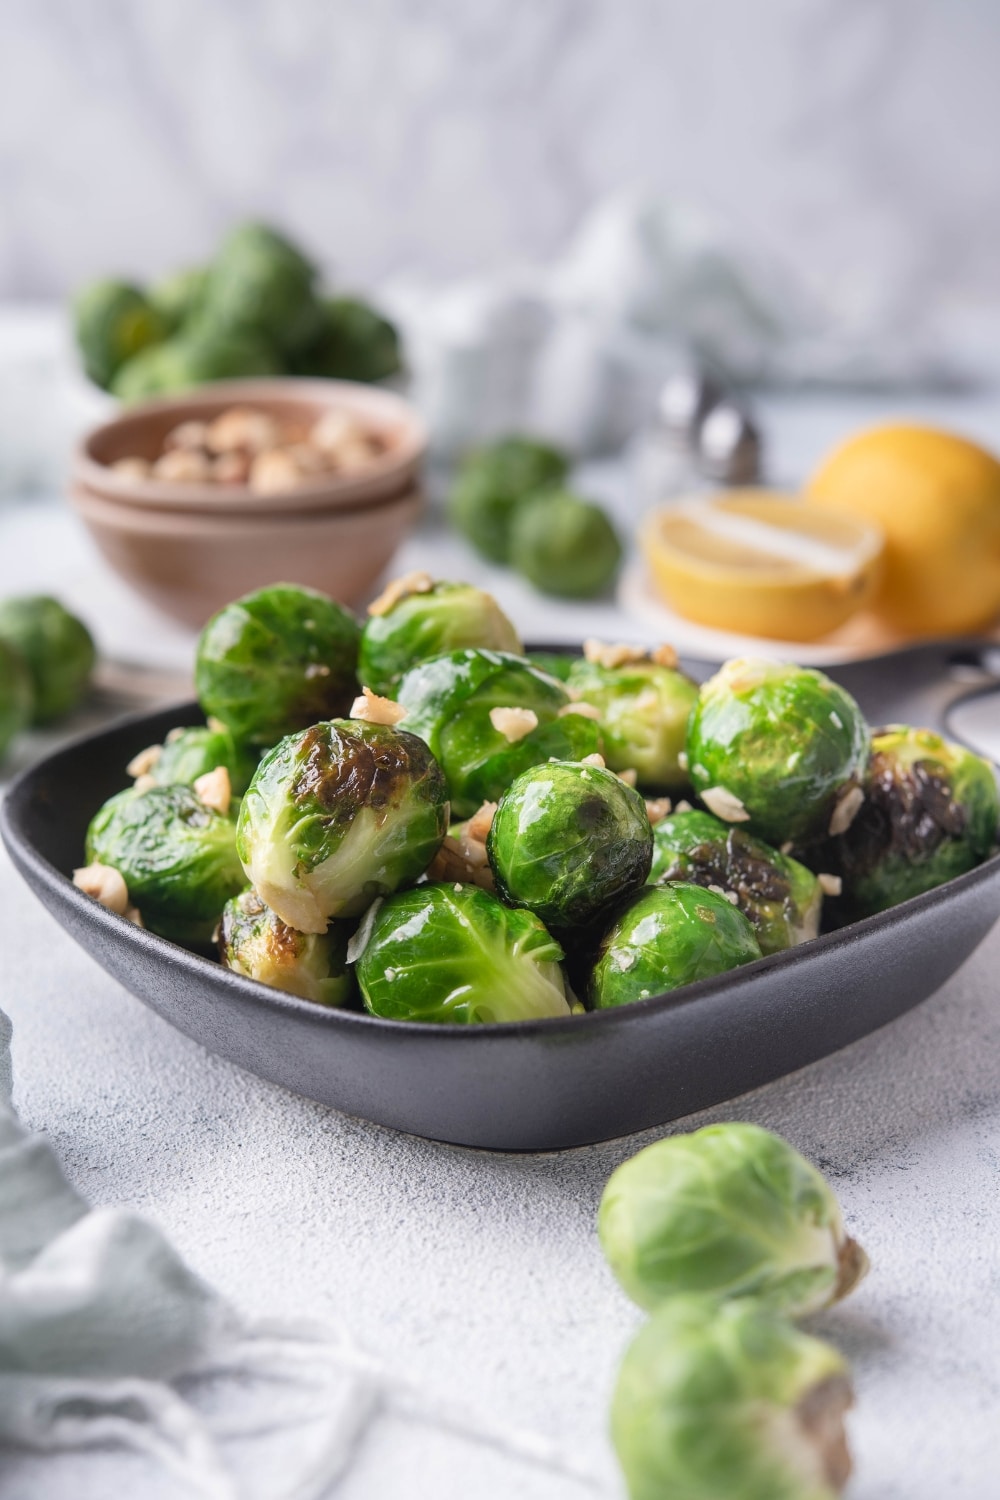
x: 192, y: 357
x: 178, y: 297
x: 930, y: 812
x: 668, y: 936
x: 277, y: 660
x: 253, y: 940
x: 566, y: 840
x: 57, y: 648
x: 455, y: 954
x: 780, y: 896
x: 416, y: 618
x: 730, y: 1210
x: 114, y: 321
x: 354, y: 342
x: 177, y: 857
x: 730, y: 1403
x: 188, y: 754
x: 779, y: 747
x: 564, y: 545
x: 260, y: 284
x: 16, y: 696
x: 493, y: 482
x: 337, y: 815
x: 558, y: 664
x: 487, y: 716
x: 644, y: 706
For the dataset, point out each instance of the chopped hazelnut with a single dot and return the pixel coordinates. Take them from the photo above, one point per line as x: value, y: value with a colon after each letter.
x: 607, y: 655
x: 847, y: 808
x: 586, y: 710
x: 132, y: 468
x: 143, y: 763
x: 274, y: 472
x: 630, y: 776
x: 657, y: 808
x: 400, y: 588
x: 231, y: 468
x: 830, y: 885
x: 725, y: 805
x: 182, y: 466
x: 191, y: 434
x: 664, y: 656
x: 594, y: 760
x: 377, y: 710
x: 513, y: 723
x: 215, y: 790
x: 242, y: 427
x: 105, y: 885
x: 481, y: 822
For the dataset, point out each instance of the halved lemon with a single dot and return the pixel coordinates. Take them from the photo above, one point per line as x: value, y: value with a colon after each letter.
x: 762, y: 563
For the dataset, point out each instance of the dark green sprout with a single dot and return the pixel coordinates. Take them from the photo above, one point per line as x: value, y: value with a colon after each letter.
x: 669, y: 936
x: 255, y: 942
x: 454, y: 954
x: 354, y: 341
x: 190, y: 753
x: 779, y: 747
x: 567, y: 840
x: 494, y: 482
x: 644, y: 708
x: 930, y: 813
x: 114, y: 322
x: 428, y: 622
x: 177, y: 857
x: 260, y: 284
x: 277, y: 660
x: 193, y: 356
x: 780, y: 896
x: 16, y: 695
x: 730, y: 1403
x: 449, y: 702
x: 58, y: 649
x: 732, y: 1211
x: 338, y: 814
x: 564, y: 545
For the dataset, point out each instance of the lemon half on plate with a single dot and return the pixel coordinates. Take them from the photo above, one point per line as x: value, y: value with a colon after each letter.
x: 762, y: 563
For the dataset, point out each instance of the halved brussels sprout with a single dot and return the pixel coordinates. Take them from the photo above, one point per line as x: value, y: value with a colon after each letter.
x: 254, y: 941
x: 930, y: 812
x: 488, y: 716
x: 730, y: 1403
x: 668, y: 936
x: 354, y: 341
x: 277, y: 660
x: 16, y: 695
x: 493, y: 482
x: 455, y: 954
x: 779, y: 747
x: 644, y: 708
x: 188, y: 754
x: 260, y: 283
x: 567, y: 840
x: 428, y: 620
x: 780, y: 896
x: 177, y: 857
x: 564, y: 545
x: 731, y: 1210
x: 339, y: 814
x: 57, y: 647
x: 114, y: 321
x: 193, y: 356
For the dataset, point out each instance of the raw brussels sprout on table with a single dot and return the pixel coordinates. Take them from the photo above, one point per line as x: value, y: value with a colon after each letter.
x: 277, y: 660
x: 779, y: 747
x: 338, y: 814
x: 564, y: 545
x: 455, y: 954
x: 114, y: 321
x: 567, y: 840
x: 494, y: 482
x: 418, y: 618
x: 643, y: 706
x: 253, y: 940
x: 262, y: 284
x: 57, y: 649
x: 781, y: 897
x: 16, y: 695
x: 352, y: 342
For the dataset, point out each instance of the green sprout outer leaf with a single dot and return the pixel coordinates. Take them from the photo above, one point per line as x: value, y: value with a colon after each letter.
x: 455, y: 954
x: 493, y: 482
x: 421, y: 625
x: 731, y: 1211
x: 57, y: 647
x: 254, y: 941
x: 195, y: 751
x: 177, y: 858
x: 564, y: 545
x: 780, y: 896
x: 114, y: 322
x: 193, y: 356
x: 338, y: 814
x: 261, y: 284
x: 16, y: 695
x: 448, y: 700
x: 668, y: 936
x: 644, y: 710
x: 930, y: 813
x: 567, y: 840
x: 277, y: 660
x: 730, y: 1403
x: 354, y: 341
x: 785, y: 741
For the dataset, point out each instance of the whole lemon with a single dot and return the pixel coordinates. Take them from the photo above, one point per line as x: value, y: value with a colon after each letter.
x: 936, y: 497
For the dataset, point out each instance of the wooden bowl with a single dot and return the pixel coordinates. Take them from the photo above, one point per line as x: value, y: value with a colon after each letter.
x: 189, y: 564
x: 139, y: 431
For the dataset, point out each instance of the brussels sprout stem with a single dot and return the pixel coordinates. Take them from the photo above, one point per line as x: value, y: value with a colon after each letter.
x: 820, y: 1414
x: 852, y: 1266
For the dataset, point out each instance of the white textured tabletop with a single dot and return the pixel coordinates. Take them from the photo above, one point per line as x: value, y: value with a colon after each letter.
x: 479, y: 1276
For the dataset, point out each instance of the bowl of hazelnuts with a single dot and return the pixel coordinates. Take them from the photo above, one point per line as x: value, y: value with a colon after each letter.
x: 199, y: 498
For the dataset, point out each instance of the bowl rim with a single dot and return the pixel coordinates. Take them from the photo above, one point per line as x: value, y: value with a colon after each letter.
x: 150, y: 520
x: 385, y: 408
